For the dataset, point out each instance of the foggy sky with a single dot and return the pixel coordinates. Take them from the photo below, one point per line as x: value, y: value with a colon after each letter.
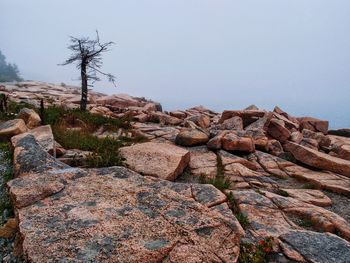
x: 224, y: 54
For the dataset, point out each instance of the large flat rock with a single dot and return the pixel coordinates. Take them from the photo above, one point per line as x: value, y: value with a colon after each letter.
x: 161, y: 160
x: 116, y: 215
x: 111, y: 217
x: 318, y: 159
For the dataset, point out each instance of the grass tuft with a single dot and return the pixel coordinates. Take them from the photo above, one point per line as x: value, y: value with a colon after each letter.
x: 256, y: 253
x: 220, y: 182
x: 281, y: 192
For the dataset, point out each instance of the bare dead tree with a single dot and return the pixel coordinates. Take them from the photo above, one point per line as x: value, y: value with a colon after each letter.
x: 87, y: 54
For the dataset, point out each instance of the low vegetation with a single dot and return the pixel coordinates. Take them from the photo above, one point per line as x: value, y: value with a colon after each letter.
x: 6, y: 175
x: 55, y: 115
x: 309, y: 186
x: 255, y: 253
x: 281, y: 192
x: 220, y: 182
x: 223, y: 183
x: 74, y: 129
x: 12, y: 108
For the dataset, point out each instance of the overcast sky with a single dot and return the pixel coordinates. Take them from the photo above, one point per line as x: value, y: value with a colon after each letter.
x: 224, y: 54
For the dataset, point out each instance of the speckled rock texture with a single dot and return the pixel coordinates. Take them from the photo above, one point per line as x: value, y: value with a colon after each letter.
x: 156, y: 159
x: 11, y: 128
x: 116, y: 215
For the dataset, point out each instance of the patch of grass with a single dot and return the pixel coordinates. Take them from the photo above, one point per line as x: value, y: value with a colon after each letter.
x: 281, y: 192
x: 232, y: 203
x: 13, y: 109
x: 220, y: 182
x: 54, y: 115
x: 105, y: 151
x: 241, y: 217
x: 7, y: 174
x: 260, y: 192
x: 5, y: 204
x: 309, y: 186
x: 243, y: 220
x: 219, y: 166
x: 255, y: 253
x: 306, y: 223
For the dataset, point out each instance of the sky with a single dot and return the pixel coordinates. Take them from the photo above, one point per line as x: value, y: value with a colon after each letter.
x: 223, y: 54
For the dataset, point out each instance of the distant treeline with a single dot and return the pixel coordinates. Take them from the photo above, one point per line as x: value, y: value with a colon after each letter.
x: 8, y: 71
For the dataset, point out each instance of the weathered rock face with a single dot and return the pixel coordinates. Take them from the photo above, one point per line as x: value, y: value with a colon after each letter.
x: 201, y: 120
x: 191, y: 137
x: 115, y: 215
x: 156, y: 132
x: 313, y: 124
x: 318, y: 247
x: 277, y: 130
x: 101, y: 110
x: 156, y: 159
x: 11, y: 128
x: 145, y: 230
x: 29, y: 157
x: 69, y: 97
x: 131, y: 219
x: 43, y: 135
x: 165, y: 119
x: 339, y: 146
x: 202, y: 162
x: 233, y: 142
x: 318, y: 159
x: 30, y: 117
x: 310, y: 196
x: 215, y: 143
x: 234, y: 123
x: 178, y: 114
x: 248, y: 116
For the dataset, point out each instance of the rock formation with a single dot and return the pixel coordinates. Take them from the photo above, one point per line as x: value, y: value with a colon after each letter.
x: 203, y: 185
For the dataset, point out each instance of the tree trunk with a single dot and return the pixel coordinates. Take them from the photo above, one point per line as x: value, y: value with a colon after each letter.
x: 84, y: 86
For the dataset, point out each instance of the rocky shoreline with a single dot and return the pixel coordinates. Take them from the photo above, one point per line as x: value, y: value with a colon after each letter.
x: 204, y: 187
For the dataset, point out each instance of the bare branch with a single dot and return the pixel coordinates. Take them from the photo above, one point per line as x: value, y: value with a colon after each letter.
x: 87, y: 54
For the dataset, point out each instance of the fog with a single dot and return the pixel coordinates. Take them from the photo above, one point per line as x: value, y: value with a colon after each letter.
x: 223, y: 54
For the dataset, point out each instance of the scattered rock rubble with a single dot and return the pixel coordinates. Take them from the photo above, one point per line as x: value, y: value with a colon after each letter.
x: 281, y: 170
